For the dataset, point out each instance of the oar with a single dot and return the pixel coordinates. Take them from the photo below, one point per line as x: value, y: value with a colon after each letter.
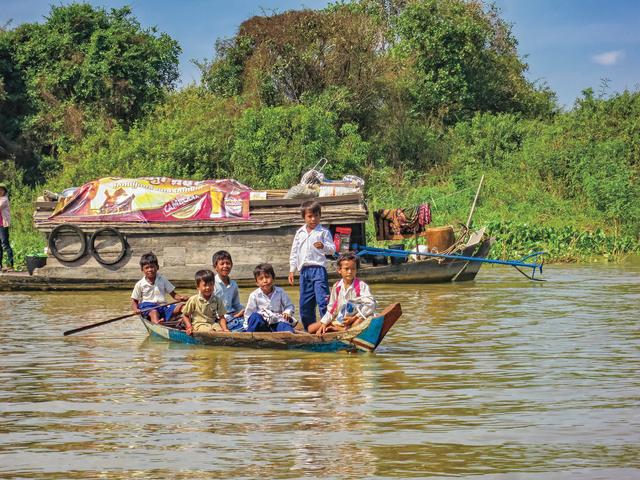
x: 104, y: 322
x: 390, y: 252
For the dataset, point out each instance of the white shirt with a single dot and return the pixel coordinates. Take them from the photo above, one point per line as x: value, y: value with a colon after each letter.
x: 277, y: 302
x: 155, y: 293
x: 229, y: 294
x: 304, y: 254
x: 366, y: 304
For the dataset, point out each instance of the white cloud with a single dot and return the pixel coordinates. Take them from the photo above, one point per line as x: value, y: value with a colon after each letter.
x: 608, y: 58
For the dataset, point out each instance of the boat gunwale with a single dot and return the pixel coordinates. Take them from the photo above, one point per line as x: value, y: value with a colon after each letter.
x: 284, y: 339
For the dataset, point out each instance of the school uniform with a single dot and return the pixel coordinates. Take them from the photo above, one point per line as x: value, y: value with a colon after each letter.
x: 204, y: 313
x: 230, y: 296
x: 263, y: 312
x: 353, y: 300
x: 311, y: 263
x: 150, y: 295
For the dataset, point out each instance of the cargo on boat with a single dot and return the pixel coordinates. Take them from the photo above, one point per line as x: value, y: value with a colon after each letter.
x: 96, y: 236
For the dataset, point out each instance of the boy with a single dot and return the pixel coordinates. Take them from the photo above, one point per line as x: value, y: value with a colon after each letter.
x: 227, y: 290
x: 201, y: 312
x: 151, y: 291
x: 269, y: 308
x: 310, y: 245
x: 351, y: 301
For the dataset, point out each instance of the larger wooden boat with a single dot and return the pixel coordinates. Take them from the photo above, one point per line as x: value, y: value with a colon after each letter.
x: 364, y: 337
x: 107, y: 261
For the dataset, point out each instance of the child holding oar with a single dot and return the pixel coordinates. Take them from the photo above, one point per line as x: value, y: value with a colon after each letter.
x: 151, y: 291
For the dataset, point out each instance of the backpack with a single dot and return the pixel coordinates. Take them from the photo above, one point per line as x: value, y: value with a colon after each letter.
x: 356, y: 287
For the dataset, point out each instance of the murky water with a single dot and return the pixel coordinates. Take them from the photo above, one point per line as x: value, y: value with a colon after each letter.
x: 501, y: 378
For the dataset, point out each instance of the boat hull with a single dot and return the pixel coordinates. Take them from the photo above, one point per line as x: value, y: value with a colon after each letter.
x: 364, y: 339
x: 425, y: 271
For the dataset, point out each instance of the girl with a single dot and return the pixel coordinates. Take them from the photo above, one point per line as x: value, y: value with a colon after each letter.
x: 4, y: 228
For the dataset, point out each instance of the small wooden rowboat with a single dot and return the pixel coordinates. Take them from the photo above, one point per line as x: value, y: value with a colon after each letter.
x: 364, y: 337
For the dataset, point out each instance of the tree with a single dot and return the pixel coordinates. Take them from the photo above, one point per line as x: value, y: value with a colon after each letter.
x: 84, y: 65
x: 463, y: 59
x: 294, y: 57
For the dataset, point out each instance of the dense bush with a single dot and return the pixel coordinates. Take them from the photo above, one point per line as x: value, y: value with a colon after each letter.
x: 83, y: 68
x: 189, y: 136
x: 420, y: 97
x: 274, y: 145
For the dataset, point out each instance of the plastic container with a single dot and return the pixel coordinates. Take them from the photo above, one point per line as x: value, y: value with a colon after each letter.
x: 398, y: 260
x: 440, y: 239
x: 378, y: 260
x: 34, y: 261
x: 342, y: 239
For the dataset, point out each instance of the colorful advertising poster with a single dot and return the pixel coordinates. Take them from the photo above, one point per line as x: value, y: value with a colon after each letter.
x: 155, y: 199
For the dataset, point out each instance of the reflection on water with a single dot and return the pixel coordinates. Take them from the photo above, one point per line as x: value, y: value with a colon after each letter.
x: 500, y: 378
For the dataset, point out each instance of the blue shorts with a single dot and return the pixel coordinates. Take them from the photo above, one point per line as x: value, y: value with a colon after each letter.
x: 164, y: 311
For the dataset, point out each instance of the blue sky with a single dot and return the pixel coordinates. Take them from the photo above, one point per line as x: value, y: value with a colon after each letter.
x: 569, y: 44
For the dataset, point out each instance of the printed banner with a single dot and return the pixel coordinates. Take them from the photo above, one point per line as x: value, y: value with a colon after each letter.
x: 155, y: 199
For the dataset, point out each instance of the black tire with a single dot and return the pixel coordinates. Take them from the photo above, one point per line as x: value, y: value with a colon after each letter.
x: 118, y: 235
x: 53, y: 247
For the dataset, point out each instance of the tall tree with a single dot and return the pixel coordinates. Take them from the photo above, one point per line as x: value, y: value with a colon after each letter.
x: 84, y: 65
x: 463, y: 59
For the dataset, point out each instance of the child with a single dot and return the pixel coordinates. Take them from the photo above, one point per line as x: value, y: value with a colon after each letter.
x: 269, y: 308
x: 202, y: 311
x: 4, y: 228
x: 310, y: 245
x: 351, y: 301
x: 227, y: 290
x: 151, y: 291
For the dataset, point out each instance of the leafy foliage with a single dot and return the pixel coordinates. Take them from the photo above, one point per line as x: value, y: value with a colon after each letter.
x: 275, y: 145
x: 420, y: 97
x: 83, y: 68
x: 189, y: 136
x: 464, y: 60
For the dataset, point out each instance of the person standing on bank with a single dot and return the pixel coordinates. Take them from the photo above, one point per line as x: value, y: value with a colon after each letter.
x: 310, y: 245
x: 5, y: 219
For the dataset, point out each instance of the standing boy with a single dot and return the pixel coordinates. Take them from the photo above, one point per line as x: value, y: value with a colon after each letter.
x: 310, y: 245
x: 150, y: 292
x: 227, y: 290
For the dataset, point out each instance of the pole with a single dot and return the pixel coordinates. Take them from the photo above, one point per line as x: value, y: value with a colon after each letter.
x: 475, y: 199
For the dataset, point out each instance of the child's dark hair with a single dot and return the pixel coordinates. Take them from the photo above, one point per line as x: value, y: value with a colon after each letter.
x: 264, y: 268
x: 348, y: 256
x: 205, y: 276
x: 220, y: 255
x: 312, y: 206
x: 148, y: 259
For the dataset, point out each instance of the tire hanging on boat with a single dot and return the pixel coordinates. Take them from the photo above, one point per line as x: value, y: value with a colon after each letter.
x: 110, y: 231
x: 55, y: 237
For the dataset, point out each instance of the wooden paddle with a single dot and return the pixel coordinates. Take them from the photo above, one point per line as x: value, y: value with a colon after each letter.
x: 104, y: 322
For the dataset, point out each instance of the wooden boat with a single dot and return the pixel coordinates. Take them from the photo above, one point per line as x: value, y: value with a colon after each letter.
x: 364, y: 337
x: 184, y: 248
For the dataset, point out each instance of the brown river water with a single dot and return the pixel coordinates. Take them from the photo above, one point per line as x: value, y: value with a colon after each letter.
x: 501, y: 378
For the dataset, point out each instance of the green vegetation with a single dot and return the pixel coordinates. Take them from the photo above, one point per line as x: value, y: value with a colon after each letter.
x: 420, y: 97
